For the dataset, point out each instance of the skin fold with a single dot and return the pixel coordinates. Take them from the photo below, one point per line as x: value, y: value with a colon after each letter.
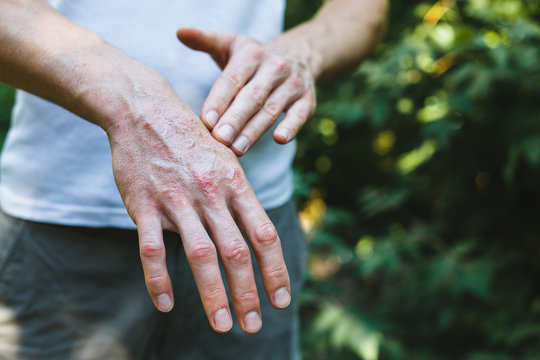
x: 171, y: 172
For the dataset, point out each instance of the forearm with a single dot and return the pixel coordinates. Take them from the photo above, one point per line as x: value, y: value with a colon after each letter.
x: 46, y: 54
x: 339, y: 37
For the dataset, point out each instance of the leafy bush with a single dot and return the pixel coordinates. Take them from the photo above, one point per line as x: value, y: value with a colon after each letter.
x: 6, y: 102
x: 419, y: 183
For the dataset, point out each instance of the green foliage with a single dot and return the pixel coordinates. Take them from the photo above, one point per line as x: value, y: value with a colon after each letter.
x: 6, y: 102
x: 418, y: 180
x: 425, y: 166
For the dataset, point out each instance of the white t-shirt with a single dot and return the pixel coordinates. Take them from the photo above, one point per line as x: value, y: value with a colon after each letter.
x: 56, y: 167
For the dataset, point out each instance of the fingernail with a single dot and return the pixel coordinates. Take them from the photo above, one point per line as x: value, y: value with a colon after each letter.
x: 252, y: 322
x: 212, y: 118
x: 241, y: 144
x: 222, y: 319
x: 164, y: 303
x: 284, y: 133
x: 282, y: 298
x: 226, y: 132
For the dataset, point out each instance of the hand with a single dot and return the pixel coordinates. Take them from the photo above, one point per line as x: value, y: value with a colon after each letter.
x: 173, y: 175
x: 258, y: 83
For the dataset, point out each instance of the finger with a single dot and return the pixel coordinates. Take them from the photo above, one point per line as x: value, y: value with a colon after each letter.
x: 295, y: 118
x: 202, y: 257
x: 152, y: 253
x: 266, y: 245
x: 215, y: 44
x: 278, y: 100
x: 236, y: 258
x: 251, y: 98
x: 241, y: 67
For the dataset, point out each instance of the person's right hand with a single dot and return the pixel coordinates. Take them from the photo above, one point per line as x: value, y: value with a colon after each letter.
x: 173, y: 175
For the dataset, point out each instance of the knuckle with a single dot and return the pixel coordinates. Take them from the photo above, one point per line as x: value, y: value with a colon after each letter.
x: 213, y: 296
x: 266, y: 234
x: 147, y: 210
x: 156, y: 282
x: 272, y: 109
x: 248, y: 296
x: 238, y: 181
x: 206, y: 184
x: 278, y: 273
x: 257, y: 96
x: 173, y: 195
x: 235, y: 117
x: 152, y: 250
x: 280, y: 65
x: 202, y: 252
x: 296, y: 81
x: 169, y: 194
x: 234, y: 80
x: 236, y: 251
x: 255, y: 50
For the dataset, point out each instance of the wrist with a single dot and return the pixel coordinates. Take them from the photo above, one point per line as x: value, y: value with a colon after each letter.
x: 118, y: 92
x: 298, y: 43
x: 143, y: 102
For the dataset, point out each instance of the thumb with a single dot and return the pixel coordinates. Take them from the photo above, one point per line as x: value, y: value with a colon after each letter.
x: 215, y: 44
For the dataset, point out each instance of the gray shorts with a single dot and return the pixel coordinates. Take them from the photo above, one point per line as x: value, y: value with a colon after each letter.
x: 79, y: 293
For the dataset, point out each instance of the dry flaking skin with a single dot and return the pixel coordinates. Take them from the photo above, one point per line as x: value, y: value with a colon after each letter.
x: 173, y: 175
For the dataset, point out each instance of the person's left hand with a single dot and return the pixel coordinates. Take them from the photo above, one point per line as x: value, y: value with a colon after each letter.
x: 259, y: 82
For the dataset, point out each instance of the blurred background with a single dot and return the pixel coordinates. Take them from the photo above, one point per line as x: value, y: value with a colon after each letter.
x: 418, y: 184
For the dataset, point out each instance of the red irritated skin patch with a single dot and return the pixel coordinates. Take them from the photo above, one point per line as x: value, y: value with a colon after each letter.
x: 173, y: 175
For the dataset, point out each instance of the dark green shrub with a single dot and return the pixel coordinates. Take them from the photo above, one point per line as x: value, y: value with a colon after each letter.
x: 420, y: 183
